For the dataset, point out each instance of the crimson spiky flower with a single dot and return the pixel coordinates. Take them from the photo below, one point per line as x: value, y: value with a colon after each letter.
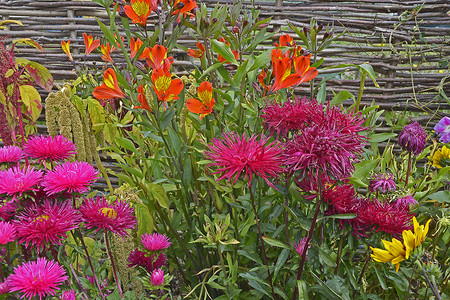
x: 235, y: 154
x: 155, y: 242
x: 116, y: 217
x: 46, y: 224
x: 413, y: 138
x: 15, y: 181
x: 71, y: 177
x: 149, y: 263
x: 382, y: 183
x: 49, y: 148
x: 10, y: 154
x: 7, y: 232
x: 37, y: 278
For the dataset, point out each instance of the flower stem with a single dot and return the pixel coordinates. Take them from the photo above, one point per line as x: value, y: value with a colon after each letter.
x: 78, y: 282
x: 108, y: 248
x: 362, y: 270
x: 262, y: 242
x: 432, y: 286
x: 361, y: 90
x: 338, y: 258
x: 408, y: 170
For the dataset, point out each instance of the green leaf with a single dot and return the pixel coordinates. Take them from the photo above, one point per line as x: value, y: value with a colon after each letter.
x: 369, y: 70
x: 240, y: 73
x: 159, y: 194
x: 302, y: 290
x: 326, y: 258
x: 224, y: 50
x: 126, y: 143
x: 363, y: 168
x: 109, y: 35
x: 275, y: 243
x: 96, y: 111
x: 339, y: 216
x: 38, y: 72
x: 210, y: 69
x: 2, y: 98
x: 261, y: 60
x: 282, y: 258
x: 380, y: 279
x: 145, y: 219
x: 341, y: 97
x: 381, y: 137
x: 31, y: 98
x: 441, y: 196
x: 322, y: 94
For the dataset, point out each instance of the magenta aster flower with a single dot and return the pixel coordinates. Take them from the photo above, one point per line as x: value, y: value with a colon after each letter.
x: 157, y: 278
x: 116, y: 217
x: 407, y: 201
x: 412, y: 138
x: 4, y: 287
x: 37, y: 278
x: 10, y: 154
x: 7, y: 232
x: 70, y: 176
x: 149, y: 263
x: 442, y: 129
x: 46, y: 224
x: 155, y: 242
x: 235, y: 155
x: 299, y: 247
x: 49, y: 148
x: 15, y: 181
x: 68, y: 295
x: 8, y: 209
x: 382, y: 183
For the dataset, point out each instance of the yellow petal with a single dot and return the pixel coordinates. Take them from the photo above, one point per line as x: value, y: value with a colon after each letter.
x: 409, y: 242
x: 425, y: 231
x: 381, y: 255
x: 398, y: 259
x: 397, y: 266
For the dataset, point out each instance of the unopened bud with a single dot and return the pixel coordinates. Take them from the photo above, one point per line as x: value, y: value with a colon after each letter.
x: 256, y: 87
x: 235, y: 30
x: 128, y: 77
x: 245, y: 23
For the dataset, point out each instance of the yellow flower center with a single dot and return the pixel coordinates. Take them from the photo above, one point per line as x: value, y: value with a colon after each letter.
x: 109, y: 81
x: 42, y: 218
x: 140, y: 8
x: 205, y: 96
x: 109, y: 212
x: 162, y: 83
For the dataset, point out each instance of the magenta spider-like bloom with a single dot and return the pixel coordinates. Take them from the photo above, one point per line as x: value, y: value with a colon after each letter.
x: 4, y: 287
x: 15, y: 181
x: 155, y: 242
x: 116, y: 217
x: 10, y: 154
x: 387, y: 217
x: 49, y: 148
x: 37, y: 278
x: 290, y: 116
x: 299, y: 247
x: 71, y: 177
x: 157, y: 278
x: 7, y: 232
x: 149, y: 263
x: 46, y: 224
x: 442, y: 128
x: 407, y: 201
x: 234, y: 155
x: 68, y: 295
x: 382, y: 183
x: 412, y: 138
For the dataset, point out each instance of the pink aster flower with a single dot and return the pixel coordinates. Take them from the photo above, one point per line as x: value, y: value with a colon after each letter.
x: 7, y: 232
x: 157, y: 278
x: 149, y: 263
x: 235, y: 155
x: 15, y: 181
x: 116, y: 217
x: 299, y: 247
x: 382, y: 183
x: 46, y: 224
x: 70, y: 176
x: 443, y: 129
x: 49, y: 148
x: 8, y: 209
x: 407, y: 201
x: 68, y: 295
x: 4, y: 287
x: 10, y: 154
x: 155, y: 242
x: 412, y: 138
x: 37, y: 278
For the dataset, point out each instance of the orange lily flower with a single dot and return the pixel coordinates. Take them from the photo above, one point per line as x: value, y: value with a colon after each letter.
x: 183, y: 8
x: 66, y: 48
x: 139, y: 10
x: 235, y: 52
x: 142, y: 99
x: 197, y: 53
x: 106, y: 51
x: 117, y: 42
x: 89, y: 43
x: 165, y: 88
x: 205, y: 105
x: 110, y: 87
x: 262, y: 78
x: 135, y: 46
x: 157, y: 58
x: 285, y: 41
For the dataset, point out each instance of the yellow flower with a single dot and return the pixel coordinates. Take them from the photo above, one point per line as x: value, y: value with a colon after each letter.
x: 396, y: 251
x: 441, y: 158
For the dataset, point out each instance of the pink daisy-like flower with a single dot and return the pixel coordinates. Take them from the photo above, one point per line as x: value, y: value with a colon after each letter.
x: 4, y: 287
x: 407, y: 201
x: 442, y: 128
x: 235, y: 155
x: 37, y: 278
x: 116, y: 217
x: 412, y: 138
x: 8, y: 209
x: 49, y: 148
x: 155, y: 242
x: 68, y: 295
x: 15, y: 181
x: 46, y: 224
x: 71, y: 177
x: 157, y: 278
x: 149, y: 263
x: 382, y: 183
x: 10, y: 154
x: 7, y: 232
x: 299, y: 247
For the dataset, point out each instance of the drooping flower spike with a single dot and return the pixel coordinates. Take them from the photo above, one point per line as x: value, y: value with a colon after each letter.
x: 442, y: 129
x: 166, y: 88
x: 10, y: 154
x: 106, y: 51
x: 142, y: 99
x: 139, y: 10
x: 110, y: 87
x: 66, y: 48
x: 157, y: 58
x: 89, y: 43
x: 441, y: 158
x: 197, y: 53
x: 135, y: 45
x: 205, y: 104
x: 50, y: 148
x: 183, y: 8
